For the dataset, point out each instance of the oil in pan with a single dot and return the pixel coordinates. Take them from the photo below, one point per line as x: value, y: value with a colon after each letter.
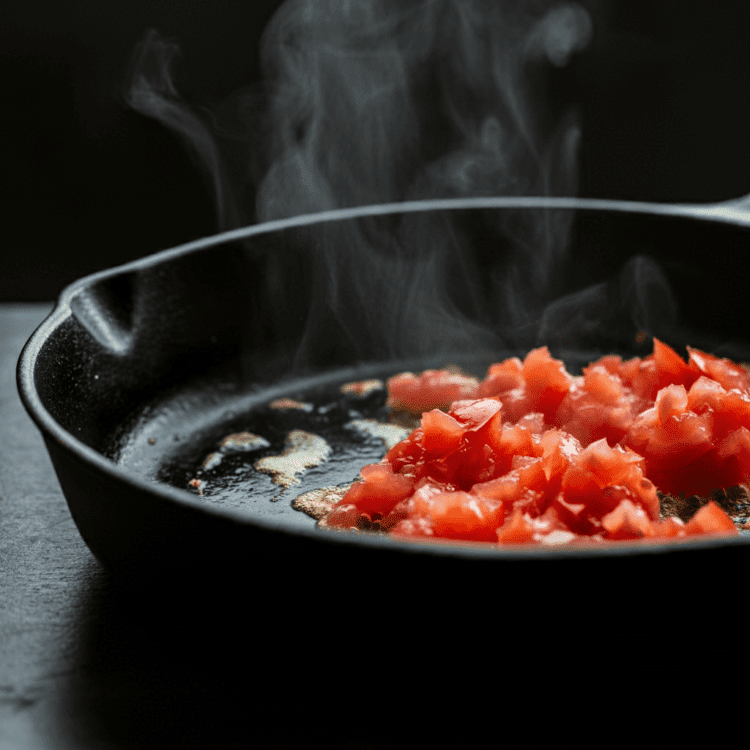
x: 303, y: 450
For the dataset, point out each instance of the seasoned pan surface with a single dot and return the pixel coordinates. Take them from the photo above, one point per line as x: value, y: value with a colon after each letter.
x: 140, y: 372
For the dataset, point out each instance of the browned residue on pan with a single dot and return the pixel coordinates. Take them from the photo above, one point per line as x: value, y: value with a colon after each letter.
x: 302, y: 451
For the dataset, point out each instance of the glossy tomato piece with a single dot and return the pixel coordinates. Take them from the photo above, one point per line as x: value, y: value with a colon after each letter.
x: 670, y: 437
x: 597, y: 406
x: 730, y: 410
x: 705, y: 393
x: 627, y: 370
x: 473, y: 414
x: 734, y: 454
x: 547, y: 382
x: 670, y: 527
x: 729, y: 374
x: 671, y: 367
x: 433, y: 389
x: 502, y: 378
x: 473, y: 462
x: 459, y: 515
x: 517, y: 529
x: 414, y: 527
x: 379, y: 490
x: 406, y: 453
x: 524, y: 488
x: 710, y: 519
x: 442, y: 433
x: 662, y: 368
x: 599, y: 479
x: 558, y: 449
x: 671, y: 401
x: 508, y: 441
x: 628, y: 521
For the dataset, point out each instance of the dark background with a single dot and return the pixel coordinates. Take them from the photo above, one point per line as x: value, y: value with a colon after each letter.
x: 87, y: 184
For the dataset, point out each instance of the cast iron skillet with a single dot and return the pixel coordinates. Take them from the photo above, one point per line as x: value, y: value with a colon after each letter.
x: 140, y: 366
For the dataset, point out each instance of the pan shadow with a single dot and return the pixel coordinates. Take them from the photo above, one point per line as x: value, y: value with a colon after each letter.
x: 392, y: 663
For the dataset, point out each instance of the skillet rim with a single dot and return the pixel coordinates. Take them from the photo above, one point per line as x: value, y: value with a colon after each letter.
x: 734, y: 212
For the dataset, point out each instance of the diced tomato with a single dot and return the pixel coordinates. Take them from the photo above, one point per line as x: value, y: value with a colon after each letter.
x: 415, y: 527
x: 669, y: 527
x: 518, y: 529
x: 611, y: 363
x: 558, y: 450
x: 671, y: 401
x: 601, y: 477
x: 730, y: 410
x: 710, y: 519
x: 442, y: 433
x: 629, y: 370
x: 433, y: 389
x: 734, y: 453
x: 344, y: 516
x: 671, y: 445
x: 508, y: 441
x: 662, y: 368
x: 407, y: 453
x: 475, y: 413
x: 473, y: 462
x: 597, y: 406
x: 502, y: 378
x: 672, y: 368
x: 379, y: 490
x: 705, y: 393
x: 628, y: 521
x: 729, y: 374
x: 534, y: 455
x: 459, y: 515
x: 534, y: 421
x: 524, y: 487
x: 547, y: 382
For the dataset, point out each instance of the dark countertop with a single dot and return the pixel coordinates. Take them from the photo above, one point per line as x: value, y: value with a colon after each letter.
x: 48, y: 575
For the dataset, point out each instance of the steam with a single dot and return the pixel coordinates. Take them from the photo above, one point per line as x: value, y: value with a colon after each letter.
x: 616, y: 314
x: 152, y: 92
x: 379, y: 101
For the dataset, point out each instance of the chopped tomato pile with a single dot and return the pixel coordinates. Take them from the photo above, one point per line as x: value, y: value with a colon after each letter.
x: 532, y: 454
